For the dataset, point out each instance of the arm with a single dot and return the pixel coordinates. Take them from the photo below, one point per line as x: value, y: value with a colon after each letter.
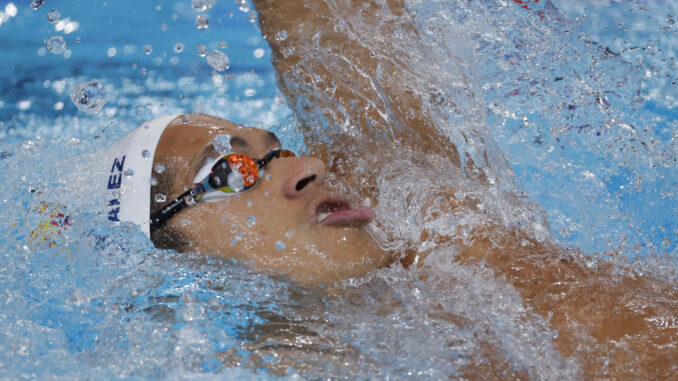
x: 334, y: 75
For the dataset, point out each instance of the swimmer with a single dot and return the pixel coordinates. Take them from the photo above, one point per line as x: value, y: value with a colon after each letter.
x: 627, y: 321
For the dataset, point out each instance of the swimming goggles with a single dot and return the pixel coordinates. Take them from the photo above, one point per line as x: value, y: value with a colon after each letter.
x: 234, y: 165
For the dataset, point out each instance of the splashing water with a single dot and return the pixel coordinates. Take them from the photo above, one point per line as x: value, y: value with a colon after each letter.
x: 56, y: 44
x: 89, y: 96
x: 218, y: 61
x: 590, y: 137
x: 53, y: 16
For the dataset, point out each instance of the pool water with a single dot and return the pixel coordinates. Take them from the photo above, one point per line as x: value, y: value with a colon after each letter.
x: 580, y: 98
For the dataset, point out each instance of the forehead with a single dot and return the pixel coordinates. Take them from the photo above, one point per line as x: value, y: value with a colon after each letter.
x: 185, y: 138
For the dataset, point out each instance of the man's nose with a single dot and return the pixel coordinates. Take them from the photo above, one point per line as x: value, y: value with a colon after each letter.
x: 302, y: 174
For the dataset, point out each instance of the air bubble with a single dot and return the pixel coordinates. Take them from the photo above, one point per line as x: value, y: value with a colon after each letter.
x: 202, y: 50
x: 202, y: 21
x: 129, y: 172
x: 249, y: 203
x: 53, y: 16
x: 268, y: 176
x: 185, y: 119
x: 223, y: 45
x: 56, y: 44
x: 159, y: 197
x: 159, y: 168
x: 280, y: 245
x: 154, y: 181
x: 89, y: 96
x: 289, y: 233
x: 258, y: 53
x: 146, y: 153
x: 35, y: 4
x: 252, y: 16
x: 183, y: 222
x: 111, y: 52
x: 179, y: 47
x: 222, y: 143
x: 250, y: 93
x: 148, y: 49
x: 218, y: 61
x: 251, y: 221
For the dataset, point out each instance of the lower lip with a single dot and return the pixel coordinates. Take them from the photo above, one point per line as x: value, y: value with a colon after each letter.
x: 349, y: 217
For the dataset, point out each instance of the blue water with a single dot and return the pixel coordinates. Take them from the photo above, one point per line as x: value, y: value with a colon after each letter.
x: 580, y: 97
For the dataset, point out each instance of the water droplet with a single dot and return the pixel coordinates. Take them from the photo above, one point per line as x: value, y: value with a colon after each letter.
x: 249, y: 203
x: 281, y: 35
x: 252, y: 16
x: 179, y: 47
x: 222, y: 143
x: 159, y: 168
x: 154, y: 181
x: 148, y: 49
x: 235, y: 181
x: 56, y: 44
x: 183, y: 222
x: 202, y: 50
x: 237, y: 239
x: 258, y: 53
x: 89, y: 96
x: 218, y: 61
x: 289, y: 233
x: 202, y: 5
x: 146, y: 153
x: 266, y: 194
x: 185, y: 119
x: 250, y: 179
x: 35, y: 4
x: 129, y: 172
x: 234, y: 228
x: 268, y: 176
x: 251, y: 221
x: 243, y: 5
x: 159, y: 197
x: 223, y: 45
x: 53, y: 16
x: 280, y: 245
x: 202, y: 21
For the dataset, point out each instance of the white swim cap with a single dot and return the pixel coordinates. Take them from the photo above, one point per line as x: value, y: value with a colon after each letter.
x: 128, y: 169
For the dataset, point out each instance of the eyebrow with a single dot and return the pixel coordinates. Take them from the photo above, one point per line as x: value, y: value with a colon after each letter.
x: 238, y: 141
x: 273, y: 139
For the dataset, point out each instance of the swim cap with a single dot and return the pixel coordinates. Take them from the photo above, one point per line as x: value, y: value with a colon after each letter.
x: 128, y: 167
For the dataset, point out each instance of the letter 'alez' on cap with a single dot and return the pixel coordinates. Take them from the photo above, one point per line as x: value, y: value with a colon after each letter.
x: 128, y: 169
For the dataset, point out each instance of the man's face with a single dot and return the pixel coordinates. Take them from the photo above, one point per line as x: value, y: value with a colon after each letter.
x: 287, y: 223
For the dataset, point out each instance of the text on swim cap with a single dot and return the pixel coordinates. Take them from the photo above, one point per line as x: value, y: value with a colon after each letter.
x: 114, y: 182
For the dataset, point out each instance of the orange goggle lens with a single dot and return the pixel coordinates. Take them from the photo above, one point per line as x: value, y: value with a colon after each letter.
x: 246, y: 166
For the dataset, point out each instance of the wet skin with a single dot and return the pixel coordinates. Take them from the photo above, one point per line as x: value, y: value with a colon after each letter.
x: 291, y: 199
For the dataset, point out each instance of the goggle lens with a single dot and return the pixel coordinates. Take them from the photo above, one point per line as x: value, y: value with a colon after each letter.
x: 245, y: 166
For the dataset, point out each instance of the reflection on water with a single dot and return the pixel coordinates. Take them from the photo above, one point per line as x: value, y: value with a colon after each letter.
x: 579, y: 98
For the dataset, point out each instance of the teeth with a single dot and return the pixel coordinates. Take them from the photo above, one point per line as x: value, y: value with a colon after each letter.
x: 322, y: 216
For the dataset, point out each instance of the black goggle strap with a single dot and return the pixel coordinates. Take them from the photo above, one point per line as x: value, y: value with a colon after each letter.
x: 269, y: 156
x: 188, y: 198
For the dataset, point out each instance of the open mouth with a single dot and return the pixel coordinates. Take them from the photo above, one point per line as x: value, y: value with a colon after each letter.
x: 337, y: 211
